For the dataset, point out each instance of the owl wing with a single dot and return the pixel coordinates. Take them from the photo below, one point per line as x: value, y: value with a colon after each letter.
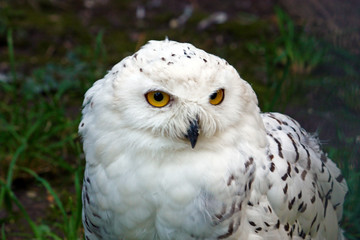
x: 95, y: 219
x: 305, y: 186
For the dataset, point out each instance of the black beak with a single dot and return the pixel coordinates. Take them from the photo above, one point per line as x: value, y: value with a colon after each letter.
x: 193, y: 132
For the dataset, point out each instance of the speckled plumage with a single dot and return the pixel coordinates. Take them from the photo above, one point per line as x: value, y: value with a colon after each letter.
x: 251, y: 175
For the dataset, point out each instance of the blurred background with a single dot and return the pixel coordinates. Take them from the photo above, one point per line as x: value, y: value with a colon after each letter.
x: 301, y: 57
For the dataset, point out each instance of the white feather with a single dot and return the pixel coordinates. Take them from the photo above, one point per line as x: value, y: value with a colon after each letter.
x: 143, y: 180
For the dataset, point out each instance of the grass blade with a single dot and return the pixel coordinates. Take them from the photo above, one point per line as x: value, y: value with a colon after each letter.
x: 11, y: 172
x: 3, y: 237
x: 78, y: 189
x: 32, y: 224
x: 11, y: 53
x: 50, y: 190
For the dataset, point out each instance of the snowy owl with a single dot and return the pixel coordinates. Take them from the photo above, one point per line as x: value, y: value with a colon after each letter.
x: 177, y: 148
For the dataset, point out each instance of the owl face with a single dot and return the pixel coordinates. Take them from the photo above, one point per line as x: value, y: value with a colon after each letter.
x: 172, y: 92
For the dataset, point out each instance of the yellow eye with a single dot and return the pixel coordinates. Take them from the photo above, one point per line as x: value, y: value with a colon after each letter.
x: 157, y: 98
x: 217, y: 97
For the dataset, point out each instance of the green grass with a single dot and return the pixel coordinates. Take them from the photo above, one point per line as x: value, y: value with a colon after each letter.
x: 41, y: 104
x: 39, y: 118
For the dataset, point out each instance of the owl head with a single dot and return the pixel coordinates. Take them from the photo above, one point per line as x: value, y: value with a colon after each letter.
x: 170, y: 96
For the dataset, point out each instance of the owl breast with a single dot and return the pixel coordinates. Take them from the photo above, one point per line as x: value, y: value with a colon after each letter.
x: 201, y: 198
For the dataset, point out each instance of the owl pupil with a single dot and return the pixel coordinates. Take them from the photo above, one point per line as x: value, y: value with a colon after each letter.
x: 158, y: 96
x: 213, y: 96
